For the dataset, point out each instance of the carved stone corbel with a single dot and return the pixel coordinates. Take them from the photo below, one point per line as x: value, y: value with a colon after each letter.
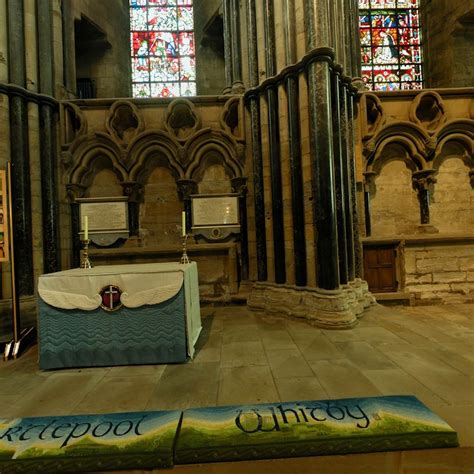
x: 239, y: 185
x: 133, y: 190
x: 186, y: 187
x: 75, y: 191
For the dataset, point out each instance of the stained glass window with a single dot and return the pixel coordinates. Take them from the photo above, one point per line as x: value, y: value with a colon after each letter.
x: 390, y: 38
x: 162, y: 48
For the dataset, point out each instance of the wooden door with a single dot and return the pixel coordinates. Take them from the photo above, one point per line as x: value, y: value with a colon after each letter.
x: 380, y: 268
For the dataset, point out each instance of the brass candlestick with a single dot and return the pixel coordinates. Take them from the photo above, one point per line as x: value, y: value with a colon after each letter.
x: 85, y: 262
x: 184, y: 257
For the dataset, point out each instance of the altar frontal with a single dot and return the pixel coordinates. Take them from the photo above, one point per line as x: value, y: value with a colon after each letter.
x: 118, y: 315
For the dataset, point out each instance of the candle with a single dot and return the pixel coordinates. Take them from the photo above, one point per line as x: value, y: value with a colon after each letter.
x: 183, y: 224
x: 86, y: 227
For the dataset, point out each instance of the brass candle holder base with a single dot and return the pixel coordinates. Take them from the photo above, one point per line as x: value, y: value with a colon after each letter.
x: 184, y: 256
x: 85, y: 262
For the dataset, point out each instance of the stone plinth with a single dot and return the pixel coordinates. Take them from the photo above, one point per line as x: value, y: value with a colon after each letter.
x: 331, y: 309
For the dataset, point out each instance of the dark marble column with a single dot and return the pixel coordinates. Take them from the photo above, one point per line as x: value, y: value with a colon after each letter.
x: 186, y: 187
x: 271, y: 95
x: 369, y: 189
x: 134, y: 191
x: 339, y: 164
x: 49, y: 195
x: 422, y: 180
x: 294, y: 138
x: 359, y: 264
x: 321, y: 140
x: 239, y: 185
x: 228, y: 45
x: 237, y: 84
x: 347, y: 160
x: 48, y: 146
x: 21, y: 190
x: 254, y: 106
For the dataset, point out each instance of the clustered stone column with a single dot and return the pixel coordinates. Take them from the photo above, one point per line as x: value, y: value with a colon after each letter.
x: 48, y: 148
x: 322, y: 147
x: 297, y: 191
x: 232, y: 47
x: 21, y: 188
x: 255, y: 123
x: 339, y: 294
x: 271, y: 95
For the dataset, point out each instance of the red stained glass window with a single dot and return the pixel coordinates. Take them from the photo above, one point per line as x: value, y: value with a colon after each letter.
x: 390, y: 39
x: 162, y: 48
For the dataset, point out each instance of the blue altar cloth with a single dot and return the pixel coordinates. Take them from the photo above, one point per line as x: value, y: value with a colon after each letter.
x: 149, y: 334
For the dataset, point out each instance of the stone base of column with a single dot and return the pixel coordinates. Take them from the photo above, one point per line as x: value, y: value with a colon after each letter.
x: 330, y: 309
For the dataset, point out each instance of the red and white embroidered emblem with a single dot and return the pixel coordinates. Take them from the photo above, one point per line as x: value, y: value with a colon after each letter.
x: 110, y: 295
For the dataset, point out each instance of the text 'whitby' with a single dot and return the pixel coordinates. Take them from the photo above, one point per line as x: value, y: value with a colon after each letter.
x: 271, y: 418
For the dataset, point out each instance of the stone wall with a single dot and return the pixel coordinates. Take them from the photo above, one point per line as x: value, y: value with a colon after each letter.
x: 440, y: 271
x: 209, y: 39
x: 415, y: 161
x: 102, y: 45
x: 448, y: 27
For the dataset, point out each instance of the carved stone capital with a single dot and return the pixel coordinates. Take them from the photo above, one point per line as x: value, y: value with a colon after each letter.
x: 239, y: 185
x: 75, y: 191
x: 422, y: 180
x: 186, y: 187
x: 369, y: 181
x: 133, y: 190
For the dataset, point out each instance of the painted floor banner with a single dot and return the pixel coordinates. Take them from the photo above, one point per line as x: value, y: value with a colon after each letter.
x: 159, y: 439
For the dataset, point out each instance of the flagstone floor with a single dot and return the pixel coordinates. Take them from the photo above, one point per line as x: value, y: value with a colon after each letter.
x: 246, y: 357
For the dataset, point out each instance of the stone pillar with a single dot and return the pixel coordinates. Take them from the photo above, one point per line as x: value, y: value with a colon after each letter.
x: 229, y: 74
x: 48, y: 141
x: 254, y: 106
x: 369, y: 189
x: 359, y: 263
x: 69, y: 47
x: 347, y: 160
x: 21, y: 189
x: 239, y: 185
x: 339, y: 164
x: 422, y: 180
x: 237, y: 84
x: 134, y: 191
x: 321, y: 139
x: 297, y: 191
x: 274, y: 147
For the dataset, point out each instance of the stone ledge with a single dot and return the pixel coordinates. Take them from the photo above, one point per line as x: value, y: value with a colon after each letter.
x: 330, y: 309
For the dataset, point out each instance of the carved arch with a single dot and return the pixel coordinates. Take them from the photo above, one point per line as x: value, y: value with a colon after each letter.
x: 460, y: 132
x: 405, y: 132
x: 207, y: 140
x: 149, y: 144
x: 86, y: 151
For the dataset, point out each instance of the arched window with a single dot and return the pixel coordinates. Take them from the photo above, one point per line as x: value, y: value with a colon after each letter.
x: 162, y: 47
x: 390, y: 38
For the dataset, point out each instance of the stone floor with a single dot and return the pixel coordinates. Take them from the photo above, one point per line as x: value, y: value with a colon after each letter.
x: 245, y: 357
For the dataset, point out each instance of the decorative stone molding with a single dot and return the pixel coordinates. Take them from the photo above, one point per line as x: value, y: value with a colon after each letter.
x: 133, y: 190
x: 423, y: 180
x: 332, y: 309
x: 73, y: 123
x: 182, y: 120
x: 371, y: 115
x: 124, y: 122
x: 428, y: 111
x: 231, y: 118
x: 186, y: 187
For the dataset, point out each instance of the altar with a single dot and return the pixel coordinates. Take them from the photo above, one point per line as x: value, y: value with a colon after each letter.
x: 118, y: 315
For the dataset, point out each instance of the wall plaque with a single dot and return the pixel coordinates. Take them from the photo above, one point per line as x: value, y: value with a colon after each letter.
x: 215, y: 216
x: 107, y: 219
